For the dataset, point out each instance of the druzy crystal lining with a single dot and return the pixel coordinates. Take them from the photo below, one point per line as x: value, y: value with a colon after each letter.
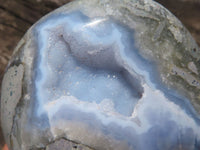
x: 92, y: 80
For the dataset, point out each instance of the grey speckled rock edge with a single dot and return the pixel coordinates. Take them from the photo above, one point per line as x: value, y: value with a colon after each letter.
x: 104, y: 75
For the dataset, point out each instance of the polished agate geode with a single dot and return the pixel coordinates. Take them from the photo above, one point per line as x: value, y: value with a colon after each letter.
x: 104, y: 75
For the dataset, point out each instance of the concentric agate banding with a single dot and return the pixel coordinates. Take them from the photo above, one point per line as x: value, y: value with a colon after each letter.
x: 106, y: 75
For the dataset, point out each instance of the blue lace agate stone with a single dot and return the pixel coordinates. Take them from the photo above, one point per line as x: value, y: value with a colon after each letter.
x: 104, y: 75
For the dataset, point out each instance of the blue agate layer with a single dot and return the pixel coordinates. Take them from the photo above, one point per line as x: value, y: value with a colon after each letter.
x: 89, y: 73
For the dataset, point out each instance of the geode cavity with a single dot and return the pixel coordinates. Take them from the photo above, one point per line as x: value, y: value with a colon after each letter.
x: 104, y: 75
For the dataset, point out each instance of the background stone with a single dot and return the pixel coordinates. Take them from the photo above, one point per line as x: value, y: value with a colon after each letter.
x: 17, y: 16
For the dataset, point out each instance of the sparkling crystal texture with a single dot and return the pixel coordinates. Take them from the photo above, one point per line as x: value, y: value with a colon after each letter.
x: 99, y: 75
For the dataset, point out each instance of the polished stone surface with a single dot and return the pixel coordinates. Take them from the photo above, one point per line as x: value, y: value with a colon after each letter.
x: 125, y: 76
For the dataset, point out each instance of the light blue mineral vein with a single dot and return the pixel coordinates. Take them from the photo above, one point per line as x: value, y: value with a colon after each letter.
x: 91, y: 66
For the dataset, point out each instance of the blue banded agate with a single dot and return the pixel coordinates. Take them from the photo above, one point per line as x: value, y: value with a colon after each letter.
x: 114, y: 79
